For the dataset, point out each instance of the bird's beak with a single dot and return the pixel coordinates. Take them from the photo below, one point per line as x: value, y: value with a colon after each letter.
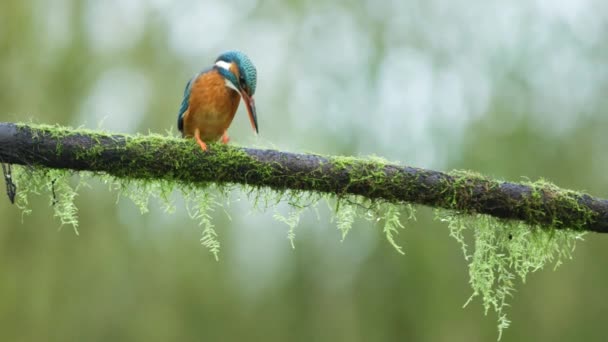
x: 250, y: 103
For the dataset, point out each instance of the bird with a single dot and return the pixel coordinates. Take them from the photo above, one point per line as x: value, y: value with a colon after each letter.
x: 212, y: 97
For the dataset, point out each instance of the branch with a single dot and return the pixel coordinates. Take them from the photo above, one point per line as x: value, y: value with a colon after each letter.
x: 156, y: 157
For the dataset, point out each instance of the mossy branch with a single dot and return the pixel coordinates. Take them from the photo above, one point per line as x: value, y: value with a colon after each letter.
x: 166, y: 158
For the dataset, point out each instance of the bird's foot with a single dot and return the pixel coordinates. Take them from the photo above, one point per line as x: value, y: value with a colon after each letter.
x: 200, y: 142
x: 202, y: 145
x: 225, y: 138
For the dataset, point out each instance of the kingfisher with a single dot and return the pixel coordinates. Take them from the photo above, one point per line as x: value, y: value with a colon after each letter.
x: 212, y: 97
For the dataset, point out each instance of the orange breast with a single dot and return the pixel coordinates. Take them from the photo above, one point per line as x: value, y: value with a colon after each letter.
x: 211, y: 107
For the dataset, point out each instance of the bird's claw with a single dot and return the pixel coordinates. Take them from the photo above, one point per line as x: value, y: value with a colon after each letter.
x: 200, y: 142
x: 225, y: 138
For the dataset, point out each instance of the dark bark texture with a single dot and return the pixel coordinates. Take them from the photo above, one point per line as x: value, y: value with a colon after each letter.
x: 155, y: 157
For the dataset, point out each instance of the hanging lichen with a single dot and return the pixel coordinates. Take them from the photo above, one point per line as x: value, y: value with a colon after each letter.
x: 56, y: 184
x: 501, y: 251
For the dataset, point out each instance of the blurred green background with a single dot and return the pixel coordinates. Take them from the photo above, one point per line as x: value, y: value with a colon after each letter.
x: 509, y: 89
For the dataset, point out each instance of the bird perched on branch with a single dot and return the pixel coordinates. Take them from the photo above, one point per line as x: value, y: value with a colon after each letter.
x: 212, y: 97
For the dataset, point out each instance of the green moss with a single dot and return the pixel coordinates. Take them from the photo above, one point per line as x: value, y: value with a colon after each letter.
x: 56, y: 184
x: 292, y: 220
x: 200, y: 205
x: 345, y: 214
x: 391, y: 224
x: 460, y: 192
x: 538, y: 210
x: 502, y: 250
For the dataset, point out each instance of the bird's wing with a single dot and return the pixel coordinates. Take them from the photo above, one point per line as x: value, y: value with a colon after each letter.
x: 185, y: 104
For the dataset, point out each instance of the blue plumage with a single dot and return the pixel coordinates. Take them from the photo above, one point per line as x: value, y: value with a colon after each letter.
x: 184, y: 106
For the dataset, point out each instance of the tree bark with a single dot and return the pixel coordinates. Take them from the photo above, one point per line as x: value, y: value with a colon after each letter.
x: 180, y: 160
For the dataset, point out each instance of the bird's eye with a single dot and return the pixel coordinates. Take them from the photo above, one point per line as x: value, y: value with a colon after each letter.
x: 242, y: 82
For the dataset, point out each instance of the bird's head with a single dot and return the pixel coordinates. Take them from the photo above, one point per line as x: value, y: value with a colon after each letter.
x: 240, y: 74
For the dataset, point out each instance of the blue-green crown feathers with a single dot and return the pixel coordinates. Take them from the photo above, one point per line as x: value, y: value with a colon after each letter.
x: 249, y: 74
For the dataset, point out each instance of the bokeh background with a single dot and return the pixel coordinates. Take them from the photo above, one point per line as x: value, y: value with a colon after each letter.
x: 509, y: 89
